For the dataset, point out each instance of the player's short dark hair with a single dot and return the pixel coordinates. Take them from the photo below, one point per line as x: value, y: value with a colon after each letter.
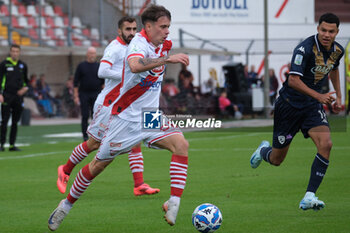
x: 329, y: 18
x: 153, y: 13
x: 125, y: 19
x: 15, y: 46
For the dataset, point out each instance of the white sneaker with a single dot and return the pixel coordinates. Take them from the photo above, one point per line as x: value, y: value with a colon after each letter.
x: 170, y: 208
x: 57, y: 216
x: 256, y: 158
x: 310, y: 201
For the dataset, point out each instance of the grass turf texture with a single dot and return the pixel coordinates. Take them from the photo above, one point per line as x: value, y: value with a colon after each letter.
x: 261, y: 200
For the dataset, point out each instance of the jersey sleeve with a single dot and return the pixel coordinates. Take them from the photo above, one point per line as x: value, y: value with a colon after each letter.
x: 339, y: 49
x: 105, y: 71
x: 299, y: 60
x: 136, y: 49
x: 110, y: 55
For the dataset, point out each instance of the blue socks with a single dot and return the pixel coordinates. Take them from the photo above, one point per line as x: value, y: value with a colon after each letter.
x: 318, y: 170
x: 265, y: 153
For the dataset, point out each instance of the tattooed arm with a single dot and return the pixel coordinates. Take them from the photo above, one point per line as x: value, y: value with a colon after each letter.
x: 138, y: 64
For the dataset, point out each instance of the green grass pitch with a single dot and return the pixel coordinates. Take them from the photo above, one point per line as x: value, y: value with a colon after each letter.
x: 261, y: 200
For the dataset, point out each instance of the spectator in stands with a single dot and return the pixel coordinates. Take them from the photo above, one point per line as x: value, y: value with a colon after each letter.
x: 168, y: 97
x: 87, y: 86
x: 32, y: 88
x: 68, y: 98
x: 247, y: 76
x: 273, y: 85
x: 252, y: 76
x: 185, y: 76
x: 44, y: 105
x: 169, y: 89
x: 209, y: 87
x: 226, y: 106
x: 14, y: 84
x: 45, y: 91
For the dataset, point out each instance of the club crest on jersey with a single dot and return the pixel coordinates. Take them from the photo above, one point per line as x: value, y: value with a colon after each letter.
x: 158, y: 71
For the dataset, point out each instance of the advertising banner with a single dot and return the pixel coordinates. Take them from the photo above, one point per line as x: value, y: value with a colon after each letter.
x: 239, y: 11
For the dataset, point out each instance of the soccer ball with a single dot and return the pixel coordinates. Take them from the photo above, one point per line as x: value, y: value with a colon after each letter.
x: 206, y: 218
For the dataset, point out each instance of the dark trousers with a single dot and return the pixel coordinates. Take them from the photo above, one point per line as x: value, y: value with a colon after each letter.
x: 13, y: 108
x: 87, y: 101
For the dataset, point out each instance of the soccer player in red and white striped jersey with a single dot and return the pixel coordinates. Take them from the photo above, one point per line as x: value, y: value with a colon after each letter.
x: 110, y: 69
x: 147, y: 56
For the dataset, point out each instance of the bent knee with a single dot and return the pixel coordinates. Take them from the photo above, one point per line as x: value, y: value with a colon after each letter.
x: 326, y: 145
x: 93, y: 144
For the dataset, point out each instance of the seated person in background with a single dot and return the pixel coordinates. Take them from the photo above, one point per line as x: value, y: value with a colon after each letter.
x: 44, y: 105
x: 226, y: 105
x: 44, y: 90
x: 72, y: 109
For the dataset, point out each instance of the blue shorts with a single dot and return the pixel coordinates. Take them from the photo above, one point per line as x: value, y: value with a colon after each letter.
x: 289, y: 120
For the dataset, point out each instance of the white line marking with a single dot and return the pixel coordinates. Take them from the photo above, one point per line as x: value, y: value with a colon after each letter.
x: 33, y: 155
x: 226, y: 137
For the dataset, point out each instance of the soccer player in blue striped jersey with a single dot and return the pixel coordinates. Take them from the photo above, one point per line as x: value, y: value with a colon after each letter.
x: 300, y: 105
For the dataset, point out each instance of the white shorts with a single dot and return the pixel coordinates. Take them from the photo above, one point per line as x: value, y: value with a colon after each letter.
x: 98, y: 125
x: 122, y: 135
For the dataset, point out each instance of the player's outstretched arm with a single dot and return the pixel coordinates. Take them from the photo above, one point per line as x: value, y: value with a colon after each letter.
x: 138, y: 65
x: 295, y: 83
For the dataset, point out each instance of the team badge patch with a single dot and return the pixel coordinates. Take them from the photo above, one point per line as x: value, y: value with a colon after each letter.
x: 298, y: 59
x: 281, y: 139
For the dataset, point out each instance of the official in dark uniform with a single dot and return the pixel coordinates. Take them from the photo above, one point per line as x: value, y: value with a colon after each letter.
x: 300, y: 105
x: 87, y: 86
x: 14, y: 84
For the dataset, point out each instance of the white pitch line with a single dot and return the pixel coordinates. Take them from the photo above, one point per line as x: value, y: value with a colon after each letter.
x: 32, y: 155
x: 252, y: 149
x: 226, y: 137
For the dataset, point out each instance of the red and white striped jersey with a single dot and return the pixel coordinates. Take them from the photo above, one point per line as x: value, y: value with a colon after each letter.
x: 114, y: 55
x: 141, y: 90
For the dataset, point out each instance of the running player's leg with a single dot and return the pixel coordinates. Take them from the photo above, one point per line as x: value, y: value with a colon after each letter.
x: 136, y: 167
x: 286, y: 125
x: 321, y: 137
x: 316, y: 126
x: 178, y: 145
x: 96, y: 131
x: 81, y: 183
x: 79, y: 153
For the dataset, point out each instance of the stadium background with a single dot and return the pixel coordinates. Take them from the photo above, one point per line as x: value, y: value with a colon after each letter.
x: 261, y: 200
x: 214, y: 33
